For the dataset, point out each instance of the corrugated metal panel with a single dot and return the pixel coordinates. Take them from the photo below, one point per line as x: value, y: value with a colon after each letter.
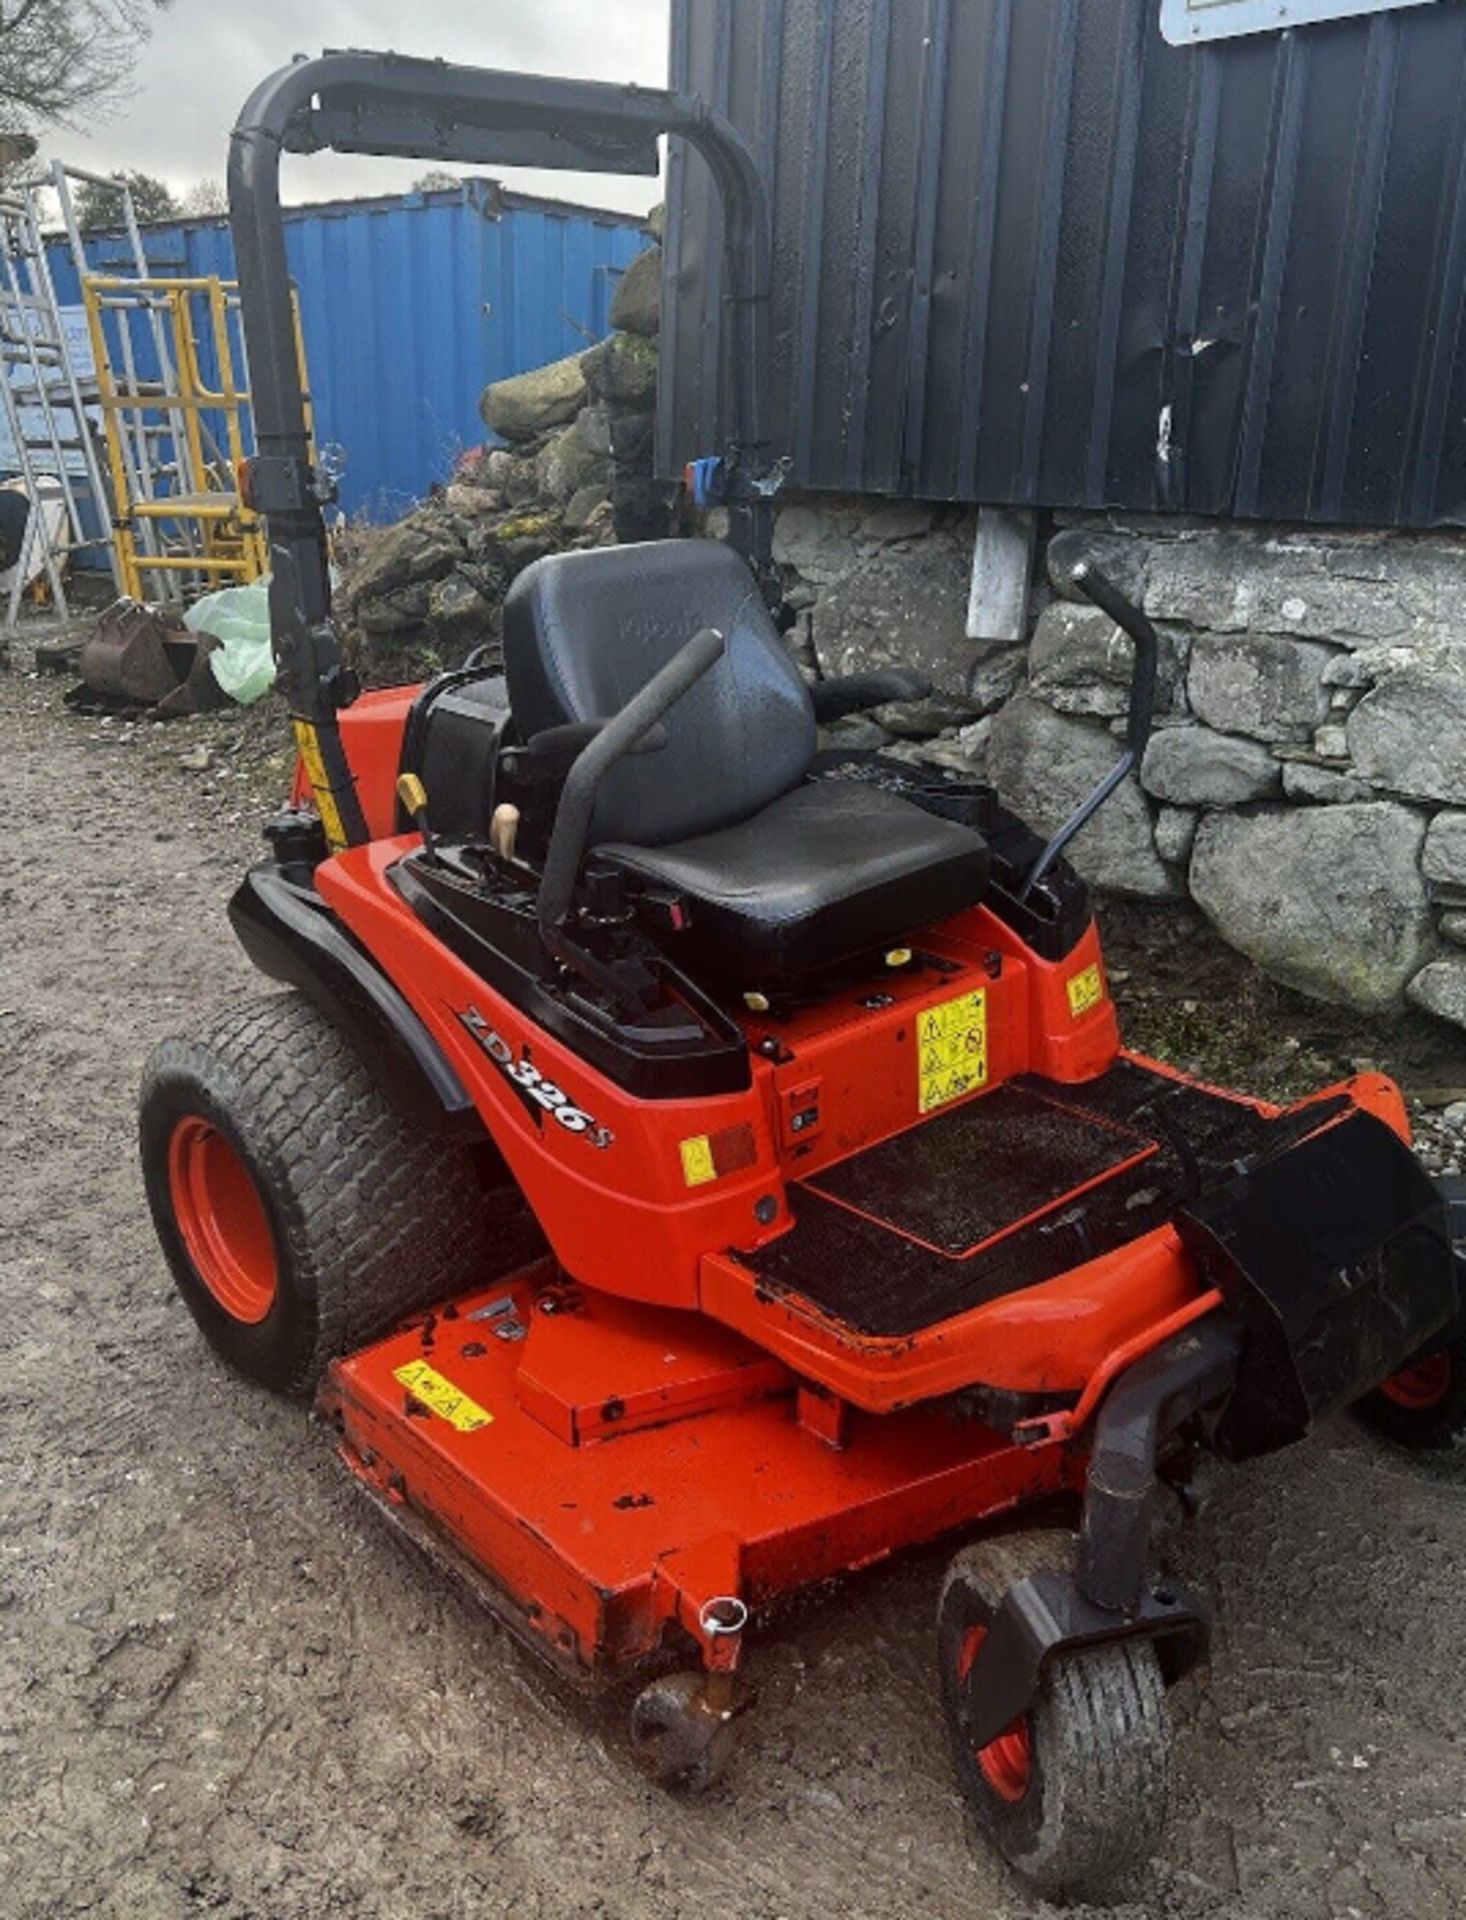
x: 1028, y: 253
x: 410, y: 306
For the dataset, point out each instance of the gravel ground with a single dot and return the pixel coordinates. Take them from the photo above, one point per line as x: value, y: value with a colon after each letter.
x: 223, y: 1690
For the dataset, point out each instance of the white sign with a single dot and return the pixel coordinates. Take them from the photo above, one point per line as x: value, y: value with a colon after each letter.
x: 1186, y: 23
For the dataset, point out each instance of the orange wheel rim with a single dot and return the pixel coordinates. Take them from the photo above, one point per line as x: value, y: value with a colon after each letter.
x: 222, y: 1220
x: 1420, y: 1386
x: 1006, y: 1762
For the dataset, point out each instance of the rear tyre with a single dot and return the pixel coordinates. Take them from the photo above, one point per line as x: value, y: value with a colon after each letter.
x: 1075, y: 1793
x: 299, y: 1212
x: 1423, y: 1406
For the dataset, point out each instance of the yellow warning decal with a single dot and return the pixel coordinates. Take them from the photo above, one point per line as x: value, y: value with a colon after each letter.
x: 697, y: 1160
x: 450, y: 1403
x: 309, y: 747
x: 1086, y: 990
x: 953, y: 1042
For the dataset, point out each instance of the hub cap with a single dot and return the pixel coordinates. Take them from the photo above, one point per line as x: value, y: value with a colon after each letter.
x: 222, y: 1220
x: 1006, y: 1763
x: 1420, y: 1386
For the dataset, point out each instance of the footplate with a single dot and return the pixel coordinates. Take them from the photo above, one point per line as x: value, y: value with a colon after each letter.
x: 1335, y: 1256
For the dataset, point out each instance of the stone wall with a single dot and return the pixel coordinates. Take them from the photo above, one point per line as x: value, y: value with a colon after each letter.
x: 1306, y: 781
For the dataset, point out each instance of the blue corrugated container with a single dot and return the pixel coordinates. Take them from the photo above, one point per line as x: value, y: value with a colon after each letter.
x: 411, y: 305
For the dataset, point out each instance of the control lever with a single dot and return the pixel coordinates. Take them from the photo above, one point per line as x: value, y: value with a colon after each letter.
x: 1104, y: 594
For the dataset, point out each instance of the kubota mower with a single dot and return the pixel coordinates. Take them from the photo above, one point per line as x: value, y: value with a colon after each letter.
x: 692, y: 1166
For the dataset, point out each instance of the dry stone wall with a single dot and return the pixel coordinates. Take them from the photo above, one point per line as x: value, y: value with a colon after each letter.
x: 1306, y: 781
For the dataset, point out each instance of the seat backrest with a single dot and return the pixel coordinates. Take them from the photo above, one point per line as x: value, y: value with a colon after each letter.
x: 585, y: 631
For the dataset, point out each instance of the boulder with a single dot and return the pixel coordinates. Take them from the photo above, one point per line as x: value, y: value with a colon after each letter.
x: 458, y: 611
x: 1444, y: 856
x: 1194, y: 767
x: 996, y: 673
x: 1408, y: 734
x: 1328, y: 900
x: 531, y: 403
x: 818, y: 542
x: 398, y: 611
x: 1044, y: 763
x: 421, y: 547
x: 906, y: 607
x: 1441, y: 989
x: 1258, y: 684
x: 637, y: 306
x: 631, y: 439
x: 1302, y: 780
x: 582, y: 506
x: 1081, y: 662
x: 897, y: 520
x: 1117, y: 555
x: 924, y: 719
x: 621, y: 369
x: 566, y: 464
x: 1453, y: 927
x: 594, y: 424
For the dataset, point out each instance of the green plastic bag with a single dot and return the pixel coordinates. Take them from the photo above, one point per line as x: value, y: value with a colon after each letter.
x: 239, y: 619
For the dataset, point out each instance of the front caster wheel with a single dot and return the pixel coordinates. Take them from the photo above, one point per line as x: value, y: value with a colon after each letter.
x: 1423, y: 1406
x: 1074, y: 1794
x: 680, y: 1736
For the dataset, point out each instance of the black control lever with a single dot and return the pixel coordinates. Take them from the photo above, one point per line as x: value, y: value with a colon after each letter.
x: 1104, y: 594
x: 612, y: 742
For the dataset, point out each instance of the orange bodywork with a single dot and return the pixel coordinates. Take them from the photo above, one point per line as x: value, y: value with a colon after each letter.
x: 640, y: 1426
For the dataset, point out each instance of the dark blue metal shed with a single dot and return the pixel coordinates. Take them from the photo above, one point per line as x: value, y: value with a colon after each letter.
x: 1031, y: 252
x: 410, y: 305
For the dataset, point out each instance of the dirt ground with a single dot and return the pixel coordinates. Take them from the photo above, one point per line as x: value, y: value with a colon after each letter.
x: 225, y: 1691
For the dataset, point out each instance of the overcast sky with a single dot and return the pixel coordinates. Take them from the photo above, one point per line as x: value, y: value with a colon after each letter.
x: 205, y: 57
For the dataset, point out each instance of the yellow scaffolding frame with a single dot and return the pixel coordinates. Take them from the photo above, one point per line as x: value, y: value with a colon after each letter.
x: 202, y: 527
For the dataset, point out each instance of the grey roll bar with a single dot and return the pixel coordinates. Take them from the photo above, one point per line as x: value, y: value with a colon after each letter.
x: 385, y: 103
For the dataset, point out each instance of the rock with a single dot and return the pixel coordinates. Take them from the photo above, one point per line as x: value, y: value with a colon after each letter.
x: 498, y: 464
x: 1175, y: 834
x: 656, y: 221
x: 1441, y: 989
x: 1194, y: 767
x: 641, y: 508
x: 924, y: 719
x: 897, y: 520
x: 1044, y: 763
x: 1304, y: 781
x: 530, y: 403
x: 1258, y: 684
x: 566, y: 464
x: 594, y: 425
x: 472, y: 503
x: 1118, y: 555
x: 949, y: 754
x: 196, y: 760
x: 458, y: 610
x: 582, y: 506
x: 395, y: 612
x: 521, y: 488
x: 631, y: 439
x: 1331, y: 742
x: 1409, y: 734
x: 1328, y: 900
x: 1081, y: 662
x: 906, y: 607
x: 418, y: 548
x: 1453, y: 927
x: 637, y: 305
x: 857, y: 732
x: 996, y: 673
x: 1444, y: 856
x: 817, y: 541
x: 622, y: 369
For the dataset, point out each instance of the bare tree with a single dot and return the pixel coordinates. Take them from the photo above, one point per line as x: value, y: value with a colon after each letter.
x: 101, y: 206
x: 59, y: 56
x: 205, y: 197
x: 435, y: 180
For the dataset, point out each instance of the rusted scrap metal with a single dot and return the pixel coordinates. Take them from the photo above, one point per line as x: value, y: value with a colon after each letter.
x: 138, y: 656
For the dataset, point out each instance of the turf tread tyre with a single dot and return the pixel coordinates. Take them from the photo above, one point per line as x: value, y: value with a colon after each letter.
x: 370, y: 1217
x: 1100, y: 1787
x: 1425, y: 1429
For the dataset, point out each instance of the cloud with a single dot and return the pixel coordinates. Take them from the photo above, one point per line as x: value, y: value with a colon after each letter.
x: 203, y: 59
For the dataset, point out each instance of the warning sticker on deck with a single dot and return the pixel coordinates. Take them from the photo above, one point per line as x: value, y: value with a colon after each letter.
x: 450, y: 1403
x: 953, y: 1043
x: 1086, y: 990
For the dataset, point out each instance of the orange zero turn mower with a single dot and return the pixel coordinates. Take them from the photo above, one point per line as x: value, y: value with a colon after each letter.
x: 690, y: 1166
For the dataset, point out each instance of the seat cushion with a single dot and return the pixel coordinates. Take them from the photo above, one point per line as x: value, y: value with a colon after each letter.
x: 583, y: 632
x: 825, y: 873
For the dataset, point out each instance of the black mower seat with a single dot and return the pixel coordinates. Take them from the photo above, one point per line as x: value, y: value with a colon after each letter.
x: 777, y: 877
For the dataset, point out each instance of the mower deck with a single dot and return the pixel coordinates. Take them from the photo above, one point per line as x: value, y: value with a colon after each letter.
x: 604, y: 1473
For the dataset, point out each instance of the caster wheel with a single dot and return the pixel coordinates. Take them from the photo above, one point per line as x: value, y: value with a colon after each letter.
x: 678, y: 1739
x: 1074, y: 1794
x: 1423, y: 1406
